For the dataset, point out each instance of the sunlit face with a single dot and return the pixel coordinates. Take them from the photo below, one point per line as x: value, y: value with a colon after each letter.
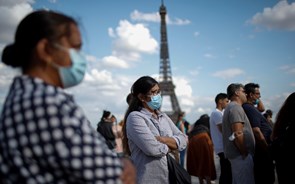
x: 224, y: 102
x: 242, y: 95
x: 62, y: 57
x: 256, y: 94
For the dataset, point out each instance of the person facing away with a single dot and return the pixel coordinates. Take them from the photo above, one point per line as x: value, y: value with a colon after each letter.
x: 149, y: 134
x: 200, y: 151
x: 237, y: 136
x: 283, y: 136
x: 268, y: 115
x: 221, y: 101
x: 105, y: 128
x: 263, y: 163
x: 45, y: 136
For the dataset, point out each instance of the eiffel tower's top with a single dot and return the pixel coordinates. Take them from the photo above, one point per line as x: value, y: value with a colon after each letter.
x: 165, y: 69
x: 165, y: 76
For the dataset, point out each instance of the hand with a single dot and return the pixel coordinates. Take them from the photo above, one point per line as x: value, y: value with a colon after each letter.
x: 128, y: 175
x: 160, y: 139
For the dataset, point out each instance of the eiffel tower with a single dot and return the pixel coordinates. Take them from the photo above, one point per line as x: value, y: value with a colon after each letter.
x: 165, y: 77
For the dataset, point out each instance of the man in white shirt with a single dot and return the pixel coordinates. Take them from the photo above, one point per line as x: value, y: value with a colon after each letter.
x: 221, y: 101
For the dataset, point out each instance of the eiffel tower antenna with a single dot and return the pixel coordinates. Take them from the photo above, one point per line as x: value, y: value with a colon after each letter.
x: 165, y: 77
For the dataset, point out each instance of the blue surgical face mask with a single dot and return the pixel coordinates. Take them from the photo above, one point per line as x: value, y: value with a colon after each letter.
x: 256, y: 102
x: 156, y: 102
x: 74, y: 74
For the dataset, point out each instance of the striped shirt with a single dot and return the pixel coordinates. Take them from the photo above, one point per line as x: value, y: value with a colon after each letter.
x: 148, y: 154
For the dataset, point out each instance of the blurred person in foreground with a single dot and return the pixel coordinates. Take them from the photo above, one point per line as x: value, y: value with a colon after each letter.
x: 237, y: 135
x: 221, y: 101
x: 149, y: 134
x: 283, y: 136
x: 45, y: 136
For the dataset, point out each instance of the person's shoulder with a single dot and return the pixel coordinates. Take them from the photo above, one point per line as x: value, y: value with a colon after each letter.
x: 247, y: 106
x: 138, y: 114
x: 216, y: 112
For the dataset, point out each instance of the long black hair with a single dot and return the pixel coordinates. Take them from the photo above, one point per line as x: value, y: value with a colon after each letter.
x: 141, y: 86
x: 285, y: 116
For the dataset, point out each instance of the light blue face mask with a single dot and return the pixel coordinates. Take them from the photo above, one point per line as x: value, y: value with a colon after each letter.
x: 156, y: 102
x: 256, y: 102
x: 74, y: 74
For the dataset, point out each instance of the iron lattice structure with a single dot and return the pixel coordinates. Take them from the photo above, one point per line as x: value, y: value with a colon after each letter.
x: 165, y: 77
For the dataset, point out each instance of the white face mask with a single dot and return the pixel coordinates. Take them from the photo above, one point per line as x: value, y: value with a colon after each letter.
x: 74, y: 74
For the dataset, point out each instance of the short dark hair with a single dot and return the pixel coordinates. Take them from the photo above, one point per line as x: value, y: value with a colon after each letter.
x: 250, y: 88
x: 106, y: 114
x: 220, y: 96
x: 232, y: 88
x: 269, y: 112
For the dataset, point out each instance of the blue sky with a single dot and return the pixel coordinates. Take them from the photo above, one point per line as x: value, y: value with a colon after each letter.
x: 211, y: 44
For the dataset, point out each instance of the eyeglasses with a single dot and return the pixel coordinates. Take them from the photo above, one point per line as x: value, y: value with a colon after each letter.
x: 154, y: 93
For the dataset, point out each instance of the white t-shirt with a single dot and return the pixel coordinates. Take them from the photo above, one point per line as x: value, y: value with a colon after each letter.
x: 216, y: 135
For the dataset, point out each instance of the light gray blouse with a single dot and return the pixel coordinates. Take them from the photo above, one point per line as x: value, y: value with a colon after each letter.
x: 148, y: 154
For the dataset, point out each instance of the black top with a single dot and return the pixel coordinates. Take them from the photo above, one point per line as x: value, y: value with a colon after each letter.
x: 258, y: 120
x: 105, y: 129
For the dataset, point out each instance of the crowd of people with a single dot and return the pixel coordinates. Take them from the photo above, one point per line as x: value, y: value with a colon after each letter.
x: 46, y: 138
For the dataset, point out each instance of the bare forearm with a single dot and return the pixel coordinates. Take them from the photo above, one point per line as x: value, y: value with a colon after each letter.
x: 239, y: 142
x: 169, y: 141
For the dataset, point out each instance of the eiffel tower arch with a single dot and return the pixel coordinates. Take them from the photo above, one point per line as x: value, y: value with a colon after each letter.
x: 165, y: 76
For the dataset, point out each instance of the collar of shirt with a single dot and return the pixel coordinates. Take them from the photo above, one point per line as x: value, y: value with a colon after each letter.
x: 149, y: 114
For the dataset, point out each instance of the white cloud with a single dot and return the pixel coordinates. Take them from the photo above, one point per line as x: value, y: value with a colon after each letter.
x: 132, y: 40
x: 229, y: 73
x: 209, y: 56
x: 11, y: 12
x: 281, y: 16
x: 196, y: 34
x: 155, y: 17
x: 136, y: 37
x: 149, y: 17
x: 290, y: 69
x: 113, y: 61
x: 182, y: 86
x: 111, y: 33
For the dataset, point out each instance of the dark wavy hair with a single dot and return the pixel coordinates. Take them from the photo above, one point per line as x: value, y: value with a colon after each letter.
x: 142, y: 85
x: 34, y: 27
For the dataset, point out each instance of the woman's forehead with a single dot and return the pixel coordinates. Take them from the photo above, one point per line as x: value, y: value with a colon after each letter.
x: 155, y: 88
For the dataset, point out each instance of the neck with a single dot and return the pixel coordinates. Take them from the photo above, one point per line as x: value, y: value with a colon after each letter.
x: 47, y: 74
x: 154, y: 112
x: 219, y: 108
x: 249, y: 101
x: 237, y: 100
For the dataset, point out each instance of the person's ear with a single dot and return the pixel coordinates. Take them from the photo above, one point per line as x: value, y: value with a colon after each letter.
x: 44, y: 51
x: 141, y: 97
